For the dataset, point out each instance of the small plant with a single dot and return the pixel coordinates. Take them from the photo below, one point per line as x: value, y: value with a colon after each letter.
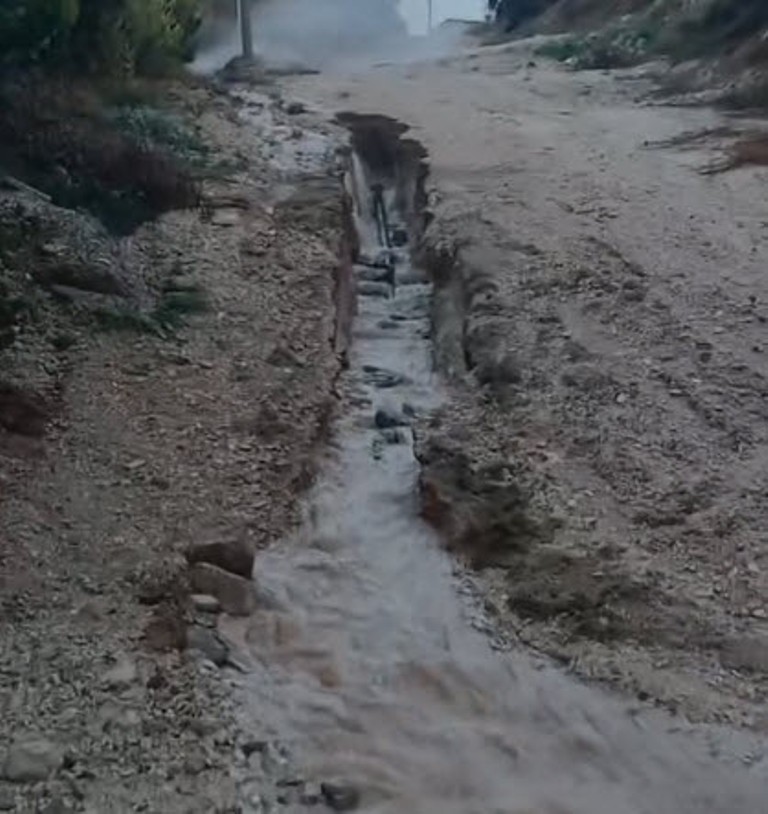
x: 615, y: 47
x: 63, y: 341
x: 561, y: 50
x: 178, y: 300
x: 176, y: 305
x: 126, y: 319
x: 152, y: 129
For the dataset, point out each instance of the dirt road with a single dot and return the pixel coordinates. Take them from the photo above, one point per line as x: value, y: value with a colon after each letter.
x: 618, y: 297
x: 596, y: 459
x: 593, y: 449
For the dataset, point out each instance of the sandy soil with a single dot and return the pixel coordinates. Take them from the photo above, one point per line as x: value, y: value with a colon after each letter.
x: 149, y: 444
x: 613, y: 299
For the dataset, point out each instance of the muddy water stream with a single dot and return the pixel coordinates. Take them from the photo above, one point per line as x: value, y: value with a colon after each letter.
x: 367, y: 664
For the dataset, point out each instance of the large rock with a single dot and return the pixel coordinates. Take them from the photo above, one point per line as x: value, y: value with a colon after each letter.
x: 746, y: 653
x: 234, y: 556
x: 21, y: 412
x: 32, y: 759
x: 58, y: 266
x: 121, y: 676
x: 386, y: 418
x: 208, y: 643
x: 340, y: 796
x: 235, y: 594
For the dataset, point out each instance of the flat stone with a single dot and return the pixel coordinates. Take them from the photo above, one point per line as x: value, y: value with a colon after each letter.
x: 373, y: 274
x: 225, y: 217
x: 235, y: 594
x: 208, y: 643
x: 382, y: 378
x: 32, y: 759
x: 366, y: 289
x: 205, y: 603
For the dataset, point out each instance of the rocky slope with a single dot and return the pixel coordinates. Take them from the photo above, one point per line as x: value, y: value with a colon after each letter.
x: 159, y: 391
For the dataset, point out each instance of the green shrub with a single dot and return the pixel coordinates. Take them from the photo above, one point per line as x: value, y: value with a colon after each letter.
x: 169, y: 314
x: 174, y: 307
x: 31, y: 30
x: 152, y: 129
x: 561, y: 50
x: 719, y: 25
x: 75, y: 154
x: 612, y: 48
x: 121, y: 37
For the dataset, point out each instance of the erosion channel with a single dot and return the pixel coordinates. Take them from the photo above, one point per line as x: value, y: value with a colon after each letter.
x: 370, y: 685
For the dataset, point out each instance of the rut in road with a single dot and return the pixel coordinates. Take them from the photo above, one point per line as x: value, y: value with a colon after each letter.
x: 368, y: 664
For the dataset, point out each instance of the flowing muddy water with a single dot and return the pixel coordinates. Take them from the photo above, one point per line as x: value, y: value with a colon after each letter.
x: 367, y: 664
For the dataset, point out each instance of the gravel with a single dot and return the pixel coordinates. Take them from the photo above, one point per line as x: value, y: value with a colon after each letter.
x: 152, y: 442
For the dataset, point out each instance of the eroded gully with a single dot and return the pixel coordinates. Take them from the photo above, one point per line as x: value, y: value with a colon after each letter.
x: 366, y: 666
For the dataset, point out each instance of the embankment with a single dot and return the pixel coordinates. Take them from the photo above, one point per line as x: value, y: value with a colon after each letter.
x: 161, y: 390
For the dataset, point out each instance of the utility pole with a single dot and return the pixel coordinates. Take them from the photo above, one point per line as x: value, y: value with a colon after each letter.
x: 246, y: 34
x: 429, y: 15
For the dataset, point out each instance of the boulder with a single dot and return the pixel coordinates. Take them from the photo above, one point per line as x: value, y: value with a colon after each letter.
x: 498, y: 367
x: 745, y: 653
x: 208, y: 643
x: 386, y: 418
x: 32, y: 759
x: 235, y: 594
x: 340, y: 796
x: 233, y: 556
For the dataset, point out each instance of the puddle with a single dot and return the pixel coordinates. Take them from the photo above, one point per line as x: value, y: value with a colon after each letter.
x: 367, y: 666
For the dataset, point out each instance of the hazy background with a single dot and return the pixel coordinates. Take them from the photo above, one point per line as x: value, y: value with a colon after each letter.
x: 319, y: 33
x: 414, y: 12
